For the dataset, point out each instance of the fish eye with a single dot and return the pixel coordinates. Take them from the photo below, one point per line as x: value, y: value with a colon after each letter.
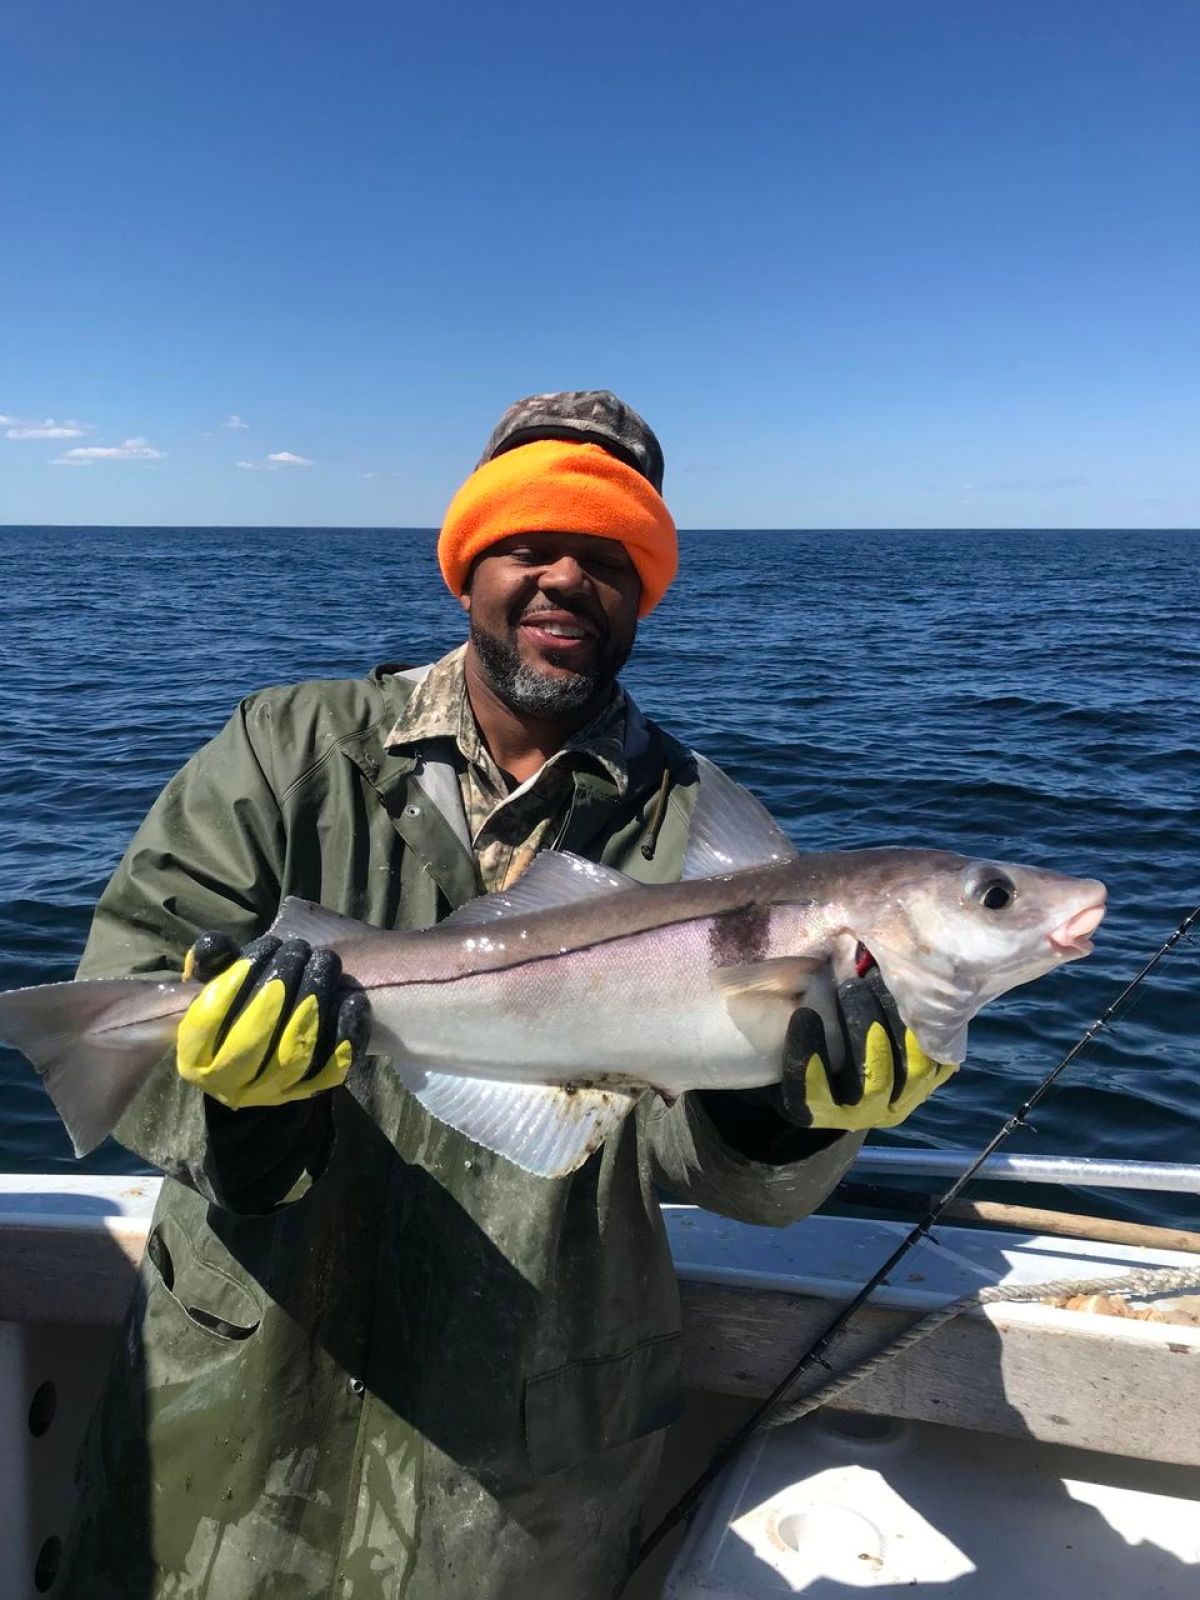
x: 993, y: 890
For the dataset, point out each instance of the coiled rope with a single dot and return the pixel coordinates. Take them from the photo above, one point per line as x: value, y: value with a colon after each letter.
x: 1145, y: 1281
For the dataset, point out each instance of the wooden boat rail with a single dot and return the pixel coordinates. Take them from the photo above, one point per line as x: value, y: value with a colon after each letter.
x: 752, y: 1298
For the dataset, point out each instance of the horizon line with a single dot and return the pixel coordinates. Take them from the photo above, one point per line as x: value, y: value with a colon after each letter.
x: 394, y: 527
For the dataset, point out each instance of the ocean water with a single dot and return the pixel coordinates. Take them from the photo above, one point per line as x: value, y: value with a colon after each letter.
x: 1031, y: 696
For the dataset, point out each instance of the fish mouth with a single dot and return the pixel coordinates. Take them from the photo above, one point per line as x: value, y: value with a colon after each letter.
x: 1071, y: 936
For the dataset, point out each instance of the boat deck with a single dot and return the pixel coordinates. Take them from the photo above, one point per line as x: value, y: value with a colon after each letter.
x: 1020, y: 1436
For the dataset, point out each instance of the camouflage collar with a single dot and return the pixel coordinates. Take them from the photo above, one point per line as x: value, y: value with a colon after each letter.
x: 438, y: 708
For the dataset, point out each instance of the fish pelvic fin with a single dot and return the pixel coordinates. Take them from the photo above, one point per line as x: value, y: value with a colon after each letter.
x: 546, y: 1130
x: 94, y: 1043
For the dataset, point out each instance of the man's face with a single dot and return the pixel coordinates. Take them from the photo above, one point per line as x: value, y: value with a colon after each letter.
x: 553, y: 617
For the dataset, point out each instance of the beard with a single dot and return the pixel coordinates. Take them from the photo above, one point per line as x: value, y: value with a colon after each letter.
x: 537, y: 694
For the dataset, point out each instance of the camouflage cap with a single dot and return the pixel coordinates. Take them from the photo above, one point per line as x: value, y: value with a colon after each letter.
x: 590, y: 416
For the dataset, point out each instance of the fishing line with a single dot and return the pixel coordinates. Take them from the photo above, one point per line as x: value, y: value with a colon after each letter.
x: 815, y: 1354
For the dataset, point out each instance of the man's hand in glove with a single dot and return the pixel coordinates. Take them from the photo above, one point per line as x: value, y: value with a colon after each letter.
x: 883, y: 1076
x: 271, y: 1024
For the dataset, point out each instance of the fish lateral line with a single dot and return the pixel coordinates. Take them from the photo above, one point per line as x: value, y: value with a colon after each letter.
x: 538, y: 958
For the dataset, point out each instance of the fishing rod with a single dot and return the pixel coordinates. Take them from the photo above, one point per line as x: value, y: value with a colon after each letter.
x: 815, y: 1354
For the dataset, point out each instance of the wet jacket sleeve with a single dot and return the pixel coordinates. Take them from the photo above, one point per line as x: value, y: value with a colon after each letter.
x: 208, y: 855
x: 702, y: 1153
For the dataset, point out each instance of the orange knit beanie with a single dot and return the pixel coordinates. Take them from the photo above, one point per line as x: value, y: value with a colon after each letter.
x: 553, y: 487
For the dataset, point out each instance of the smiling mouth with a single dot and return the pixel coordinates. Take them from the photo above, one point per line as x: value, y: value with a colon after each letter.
x: 557, y: 631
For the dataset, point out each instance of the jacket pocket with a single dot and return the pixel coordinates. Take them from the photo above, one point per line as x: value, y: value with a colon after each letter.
x: 585, y: 1407
x: 210, y: 1299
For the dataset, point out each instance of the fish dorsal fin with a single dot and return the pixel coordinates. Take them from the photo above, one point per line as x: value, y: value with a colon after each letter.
x: 730, y: 828
x: 553, y: 878
x: 304, y: 919
x: 545, y: 1130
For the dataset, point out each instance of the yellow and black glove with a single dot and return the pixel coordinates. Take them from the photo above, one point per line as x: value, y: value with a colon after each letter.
x: 884, y: 1074
x: 271, y: 1025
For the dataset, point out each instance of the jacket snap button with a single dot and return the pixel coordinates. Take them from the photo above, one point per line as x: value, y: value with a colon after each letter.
x: 412, y: 811
x: 357, y: 1386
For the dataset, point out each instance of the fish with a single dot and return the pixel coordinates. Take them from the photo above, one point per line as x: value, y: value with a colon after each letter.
x: 533, y: 1019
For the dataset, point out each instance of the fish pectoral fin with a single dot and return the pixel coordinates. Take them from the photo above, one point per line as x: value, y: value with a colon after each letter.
x: 544, y: 1129
x: 787, y: 976
x: 761, y: 996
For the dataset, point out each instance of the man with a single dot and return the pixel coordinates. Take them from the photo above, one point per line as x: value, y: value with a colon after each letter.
x: 367, y: 1357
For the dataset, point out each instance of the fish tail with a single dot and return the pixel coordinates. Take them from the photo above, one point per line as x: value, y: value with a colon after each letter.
x: 94, y: 1043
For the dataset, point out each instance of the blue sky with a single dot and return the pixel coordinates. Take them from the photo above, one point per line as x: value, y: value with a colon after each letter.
x: 873, y: 264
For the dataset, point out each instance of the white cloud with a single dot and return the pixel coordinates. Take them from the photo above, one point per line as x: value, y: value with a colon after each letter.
x: 131, y: 450
x: 273, y: 463
x: 234, y: 422
x: 48, y: 428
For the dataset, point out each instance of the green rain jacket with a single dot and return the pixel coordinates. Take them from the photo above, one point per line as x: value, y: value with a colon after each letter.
x: 366, y: 1358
